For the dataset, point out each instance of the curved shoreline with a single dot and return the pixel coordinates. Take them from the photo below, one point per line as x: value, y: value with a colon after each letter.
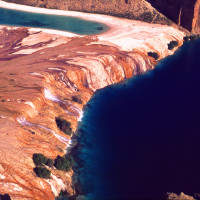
x: 169, y: 194
x: 121, y: 31
x: 131, y: 40
x: 86, y: 16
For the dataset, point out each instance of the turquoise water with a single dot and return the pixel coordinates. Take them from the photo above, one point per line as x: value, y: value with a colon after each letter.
x: 141, y: 139
x: 57, y: 22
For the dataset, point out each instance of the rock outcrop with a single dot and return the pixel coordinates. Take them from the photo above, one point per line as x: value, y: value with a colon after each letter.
x: 41, y: 71
x: 182, y: 196
x: 183, y: 12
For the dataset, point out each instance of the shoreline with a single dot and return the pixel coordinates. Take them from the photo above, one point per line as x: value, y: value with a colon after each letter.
x: 82, y: 15
x: 121, y: 32
x: 127, y: 36
x: 167, y: 193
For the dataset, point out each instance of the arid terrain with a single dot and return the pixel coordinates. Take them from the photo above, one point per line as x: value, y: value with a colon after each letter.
x: 41, y: 71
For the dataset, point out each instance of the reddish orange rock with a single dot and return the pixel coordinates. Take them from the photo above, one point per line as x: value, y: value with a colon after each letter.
x: 38, y: 80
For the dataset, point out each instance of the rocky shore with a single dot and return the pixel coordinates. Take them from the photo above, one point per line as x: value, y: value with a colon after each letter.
x: 42, y: 72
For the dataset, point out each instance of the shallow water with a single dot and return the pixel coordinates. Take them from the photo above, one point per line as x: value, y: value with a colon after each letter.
x: 57, y: 22
x: 141, y: 139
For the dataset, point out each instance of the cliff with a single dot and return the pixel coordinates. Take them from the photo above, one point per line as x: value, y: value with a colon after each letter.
x: 183, y: 12
x: 41, y: 71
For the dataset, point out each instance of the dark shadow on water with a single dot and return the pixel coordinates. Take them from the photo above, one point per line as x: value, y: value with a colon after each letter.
x: 141, y: 139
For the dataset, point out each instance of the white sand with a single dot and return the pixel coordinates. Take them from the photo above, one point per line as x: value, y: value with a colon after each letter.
x: 124, y: 33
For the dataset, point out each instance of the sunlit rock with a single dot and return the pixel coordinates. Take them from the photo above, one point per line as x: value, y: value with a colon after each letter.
x: 37, y: 85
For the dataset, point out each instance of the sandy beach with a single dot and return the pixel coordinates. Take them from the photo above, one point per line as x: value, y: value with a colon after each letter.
x: 124, y: 33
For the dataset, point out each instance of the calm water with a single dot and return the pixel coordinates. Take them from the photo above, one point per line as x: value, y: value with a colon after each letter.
x: 141, y: 139
x: 63, y: 23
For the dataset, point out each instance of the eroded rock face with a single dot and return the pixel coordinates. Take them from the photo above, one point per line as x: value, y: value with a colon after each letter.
x: 182, y: 12
x: 39, y: 74
x: 182, y: 196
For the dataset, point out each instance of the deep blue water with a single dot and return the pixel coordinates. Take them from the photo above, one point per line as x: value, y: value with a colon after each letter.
x: 141, y: 139
x: 58, y: 22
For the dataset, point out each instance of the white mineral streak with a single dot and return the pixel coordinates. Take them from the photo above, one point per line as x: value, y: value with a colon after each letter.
x: 36, y: 74
x: 96, y: 75
x: 3, y: 117
x: 49, y: 96
x: 53, y: 189
x: 61, y: 56
x: 58, y: 69
x: 70, y: 143
x: 16, y: 47
x: 23, y: 121
x: 2, y: 176
x: 35, y: 39
x: 41, y: 183
x: 80, y: 116
x: 53, y: 98
x: 92, y: 53
x: 56, y: 184
x: 26, y: 51
x: 11, y: 186
x: 139, y: 60
x: 30, y: 104
x: 59, y: 181
x: 16, y: 187
x: 61, y: 138
x: 66, y: 82
x: 39, y: 36
x: 78, y: 110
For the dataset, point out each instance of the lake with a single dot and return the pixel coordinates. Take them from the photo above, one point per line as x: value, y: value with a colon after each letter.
x: 57, y: 22
x: 141, y: 139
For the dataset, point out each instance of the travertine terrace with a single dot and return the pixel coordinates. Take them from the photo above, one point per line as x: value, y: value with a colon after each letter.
x: 40, y: 70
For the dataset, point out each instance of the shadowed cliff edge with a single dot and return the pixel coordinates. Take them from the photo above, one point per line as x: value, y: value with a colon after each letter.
x: 183, y: 12
x: 42, y: 72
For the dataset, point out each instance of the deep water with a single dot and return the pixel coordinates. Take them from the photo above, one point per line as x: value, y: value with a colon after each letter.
x: 141, y: 139
x: 58, y: 22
